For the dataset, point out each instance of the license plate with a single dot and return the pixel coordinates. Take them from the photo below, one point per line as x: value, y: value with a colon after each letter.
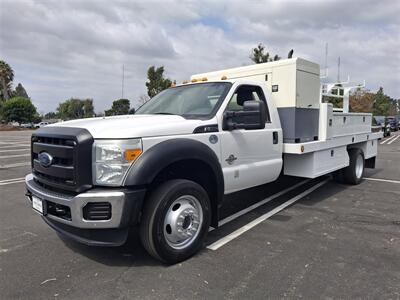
x: 37, y: 204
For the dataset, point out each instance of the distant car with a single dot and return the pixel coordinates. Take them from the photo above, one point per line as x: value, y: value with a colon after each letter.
x: 394, y: 125
x: 41, y: 124
x: 27, y: 125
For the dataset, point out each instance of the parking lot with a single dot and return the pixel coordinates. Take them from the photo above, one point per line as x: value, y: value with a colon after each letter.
x: 309, y: 239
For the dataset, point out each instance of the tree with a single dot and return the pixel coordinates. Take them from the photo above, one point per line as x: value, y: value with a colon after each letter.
x: 258, y: 56
x: 19, y: 109
x: 361, y: 101
x: 6, y: 78
x: 88, y: 108
x: 76, y: 109
x: 382, y: 103
x: 156, y: 81
x: 119, y: 107
x: 143, y: 99
x: 20, y: 91
x: 394, y: 107
x: 51, y: 115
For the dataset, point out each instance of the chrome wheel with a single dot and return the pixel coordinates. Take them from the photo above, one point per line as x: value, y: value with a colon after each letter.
x: 359, y: 166
x: 183, y: 222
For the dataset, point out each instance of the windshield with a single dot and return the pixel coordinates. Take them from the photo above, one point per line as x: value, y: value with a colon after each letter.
x: 199, y: 100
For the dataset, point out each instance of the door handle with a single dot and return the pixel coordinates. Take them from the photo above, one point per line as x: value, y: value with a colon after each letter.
x: 275, y: 138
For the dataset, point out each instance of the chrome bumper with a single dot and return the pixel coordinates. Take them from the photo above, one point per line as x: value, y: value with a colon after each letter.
x: 117, y: 199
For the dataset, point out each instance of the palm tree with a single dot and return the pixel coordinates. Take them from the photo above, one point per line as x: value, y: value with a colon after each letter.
x: 6, y: 78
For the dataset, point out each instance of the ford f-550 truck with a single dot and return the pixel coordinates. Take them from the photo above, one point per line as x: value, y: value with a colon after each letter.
x: 167, y: 168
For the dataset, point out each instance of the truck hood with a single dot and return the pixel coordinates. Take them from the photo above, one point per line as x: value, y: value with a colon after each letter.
x: 135, y: 126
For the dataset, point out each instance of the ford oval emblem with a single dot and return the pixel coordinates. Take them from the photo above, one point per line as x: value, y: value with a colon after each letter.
x: 45, y: 159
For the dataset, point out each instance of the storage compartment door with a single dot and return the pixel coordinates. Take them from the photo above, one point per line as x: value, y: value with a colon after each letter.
x: 312, y: 165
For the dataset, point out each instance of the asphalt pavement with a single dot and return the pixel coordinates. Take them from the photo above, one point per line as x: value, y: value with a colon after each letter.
x: 310, y: 239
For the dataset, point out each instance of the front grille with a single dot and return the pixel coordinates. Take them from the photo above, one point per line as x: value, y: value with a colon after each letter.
x: 70, y: 149
x: 97, y: 211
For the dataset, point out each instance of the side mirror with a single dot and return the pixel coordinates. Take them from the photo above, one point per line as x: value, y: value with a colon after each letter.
x: 253, y: 116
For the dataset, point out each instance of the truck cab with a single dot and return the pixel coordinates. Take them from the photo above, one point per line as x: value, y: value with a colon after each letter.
x: 166, y: 168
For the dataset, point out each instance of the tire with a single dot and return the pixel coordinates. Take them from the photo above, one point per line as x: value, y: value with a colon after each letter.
x: 175, y: 220
x: 354, y: 172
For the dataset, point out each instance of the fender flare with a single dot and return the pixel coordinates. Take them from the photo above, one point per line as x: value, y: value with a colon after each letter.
x: 161, y: 155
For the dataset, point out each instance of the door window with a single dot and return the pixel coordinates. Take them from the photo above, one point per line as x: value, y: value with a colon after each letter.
x: 247, y: 93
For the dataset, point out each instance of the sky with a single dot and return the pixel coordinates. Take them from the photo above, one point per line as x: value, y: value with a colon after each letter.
x: 61, y: 49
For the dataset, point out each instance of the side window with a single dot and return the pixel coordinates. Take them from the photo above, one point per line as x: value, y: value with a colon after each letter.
x: 245, y: 93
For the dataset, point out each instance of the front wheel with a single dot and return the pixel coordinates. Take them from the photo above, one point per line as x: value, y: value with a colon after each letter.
x: 175, y: 220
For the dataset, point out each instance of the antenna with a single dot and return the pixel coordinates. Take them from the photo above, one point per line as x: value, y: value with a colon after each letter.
x: 123, y: 79
x: 326, y: 63
x: 326, y: 59
x: 338, y: 70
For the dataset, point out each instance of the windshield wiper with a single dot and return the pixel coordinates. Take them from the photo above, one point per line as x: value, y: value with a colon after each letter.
x: 163, y: 113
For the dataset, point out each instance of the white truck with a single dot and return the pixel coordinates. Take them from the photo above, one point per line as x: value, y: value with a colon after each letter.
x: 167, y: 168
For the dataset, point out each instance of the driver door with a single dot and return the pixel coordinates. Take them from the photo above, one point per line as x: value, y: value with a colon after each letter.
x: 249, y: 157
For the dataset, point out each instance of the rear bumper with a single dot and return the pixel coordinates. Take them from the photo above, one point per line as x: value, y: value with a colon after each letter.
x: 125, y: 210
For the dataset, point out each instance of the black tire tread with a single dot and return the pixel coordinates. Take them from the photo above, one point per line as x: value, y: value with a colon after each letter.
x: 149, y: 212
x: 349, y: 175
x: 148, y: 215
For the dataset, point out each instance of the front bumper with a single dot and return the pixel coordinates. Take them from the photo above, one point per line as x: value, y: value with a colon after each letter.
x: 125, y: 210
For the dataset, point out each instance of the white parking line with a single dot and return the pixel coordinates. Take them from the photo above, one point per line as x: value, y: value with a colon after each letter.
x: 393, y: 139
x: 17, y: 155
x: 218, y: 244
x: 13, y: 179
x: 12, y: 182
x: 14, y: 140
x: 14, y: 146
x: 11, y: 143
x: 21, y: 164
x: 258, y: 204
x: 382, y: 180
x: 14, y: 150
x: 388, y: 139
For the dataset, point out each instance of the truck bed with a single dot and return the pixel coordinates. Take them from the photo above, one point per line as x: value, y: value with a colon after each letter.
x: 317, y: 158
x: 308, y: 147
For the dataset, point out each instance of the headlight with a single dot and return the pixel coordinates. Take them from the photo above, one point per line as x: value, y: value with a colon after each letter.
x: 112, y: 159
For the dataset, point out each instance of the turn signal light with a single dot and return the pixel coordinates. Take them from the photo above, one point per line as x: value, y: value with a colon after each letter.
x: 132, y: 154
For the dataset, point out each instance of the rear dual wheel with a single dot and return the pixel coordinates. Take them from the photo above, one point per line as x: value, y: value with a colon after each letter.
x: 353, y: 173
x: 175, y: 220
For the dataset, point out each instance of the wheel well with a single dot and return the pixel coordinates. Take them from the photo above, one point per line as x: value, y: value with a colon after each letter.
x: 358, y: 146
x: 197, y: 171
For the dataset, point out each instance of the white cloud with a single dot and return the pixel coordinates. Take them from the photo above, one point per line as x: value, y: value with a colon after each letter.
x: 62, y: 49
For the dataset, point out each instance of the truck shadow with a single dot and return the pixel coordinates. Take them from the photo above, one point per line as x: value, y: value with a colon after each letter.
x: 327, y: 191
x: 132, y: 254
